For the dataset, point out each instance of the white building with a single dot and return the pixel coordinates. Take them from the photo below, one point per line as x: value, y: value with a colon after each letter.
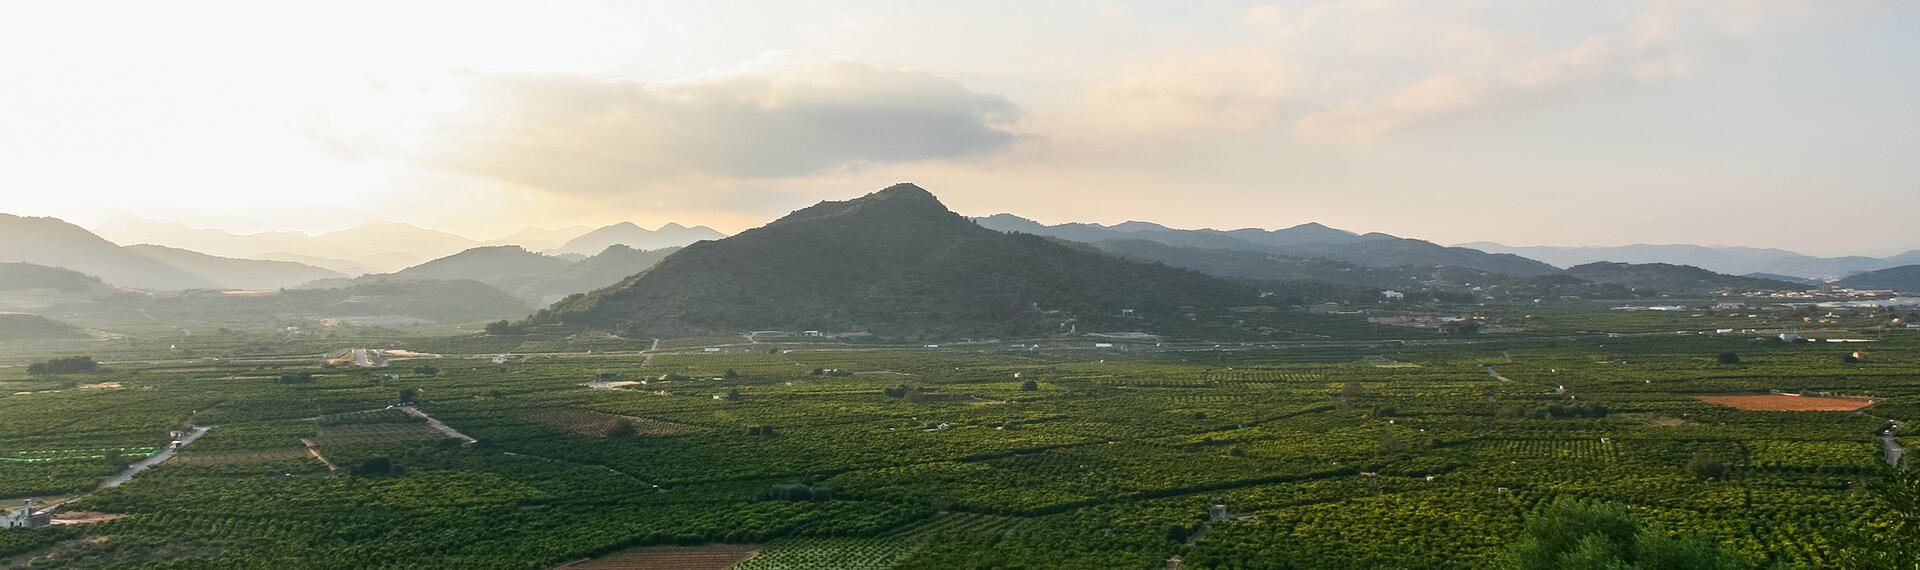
x: 26, y: 517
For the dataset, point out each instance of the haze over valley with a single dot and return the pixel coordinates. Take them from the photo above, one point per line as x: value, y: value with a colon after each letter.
x: 910, y: 286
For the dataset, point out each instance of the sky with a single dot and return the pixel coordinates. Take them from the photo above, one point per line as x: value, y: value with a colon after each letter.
x: 1769, y: 123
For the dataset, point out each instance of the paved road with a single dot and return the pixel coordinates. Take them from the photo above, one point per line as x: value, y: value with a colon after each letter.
x: 149, y: 462
x: 1893, y: 447
x: 453, y: 433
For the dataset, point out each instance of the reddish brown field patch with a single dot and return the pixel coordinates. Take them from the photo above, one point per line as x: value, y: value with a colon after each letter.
x: 711, y: 557
x: 1785, y: 403
x: 597, y: 424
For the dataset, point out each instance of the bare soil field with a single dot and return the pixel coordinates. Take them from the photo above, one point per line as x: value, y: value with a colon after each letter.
x: 711, y: 557
x: 1785, y: 403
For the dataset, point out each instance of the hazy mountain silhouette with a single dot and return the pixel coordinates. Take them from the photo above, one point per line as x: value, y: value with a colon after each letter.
x: 893, y: 262
x: 231, y: 273
x: 636, y: 237
x: 540, y: 239
x: 534, y: 278
x: 55, y: 243
x: 1306, y: 241
x: 382, y: 245
x: 1723, y: 259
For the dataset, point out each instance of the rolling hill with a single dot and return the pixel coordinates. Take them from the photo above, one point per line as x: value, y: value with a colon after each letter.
x: 16, y: 327
x: 1669, y: 277
x: 896, y: 262
x: 234, y: 273
x: 24, y: 276
x: 1905, y: 279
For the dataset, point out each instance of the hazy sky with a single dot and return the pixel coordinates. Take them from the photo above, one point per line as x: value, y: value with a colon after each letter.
x: 1766, y: 123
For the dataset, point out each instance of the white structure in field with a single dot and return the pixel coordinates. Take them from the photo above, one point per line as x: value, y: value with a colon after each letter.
x: 26, y: 517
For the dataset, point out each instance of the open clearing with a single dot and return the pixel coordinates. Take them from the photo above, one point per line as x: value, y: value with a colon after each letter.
x: 1785, y: 403
x: 712, y: 557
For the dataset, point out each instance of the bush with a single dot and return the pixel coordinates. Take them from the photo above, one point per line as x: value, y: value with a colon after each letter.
x: 1703, y: 466
x: 1729, y: 358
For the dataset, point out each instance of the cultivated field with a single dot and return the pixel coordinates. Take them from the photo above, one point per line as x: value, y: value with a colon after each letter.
x: 1786, y: 403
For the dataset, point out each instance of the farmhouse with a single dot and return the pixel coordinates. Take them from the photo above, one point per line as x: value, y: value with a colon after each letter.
x: 26, y: 517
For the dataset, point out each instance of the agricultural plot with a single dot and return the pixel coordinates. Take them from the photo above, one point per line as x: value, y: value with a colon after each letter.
x: 1788, y: 403
x: 599, y: 424
x: 949, y: 458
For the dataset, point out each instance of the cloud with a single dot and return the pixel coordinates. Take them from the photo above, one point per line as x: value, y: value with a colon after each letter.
x: 1358, y: 71
x: 772, y: 118
x: 1469, y: 67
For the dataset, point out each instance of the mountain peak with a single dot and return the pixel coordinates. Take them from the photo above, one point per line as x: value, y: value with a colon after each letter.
x: 905, y: 189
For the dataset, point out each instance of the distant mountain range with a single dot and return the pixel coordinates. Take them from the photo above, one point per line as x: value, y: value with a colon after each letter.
x: 377, y: 247
x: 896, y: 262
x: 534, y: 278
x: 636, y: 237
x: 1309, y: 241
x: 1723, y: 259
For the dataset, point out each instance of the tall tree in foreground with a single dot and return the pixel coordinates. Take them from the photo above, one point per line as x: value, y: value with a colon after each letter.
x: 1570, y: 535
x: 1895, y: 546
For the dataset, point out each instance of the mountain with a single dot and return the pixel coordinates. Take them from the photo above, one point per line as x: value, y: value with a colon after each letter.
x: 208, y: 241
x: 1306, y: 241
x: 340, y: 266
x: 502, y: 266
x: 636, y: 237
x: 896, y: 262
x: 386, y: 302
x: 534, y: 278
x: 230, y: 273
x: 1722, y: 259
x: 1665, y: 277
x: 1905, y: 279
x: 618, y: 262
x: 1908, y: 258
x: 385, y: 246
x: 538, y: 239
x: 55, y: 243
